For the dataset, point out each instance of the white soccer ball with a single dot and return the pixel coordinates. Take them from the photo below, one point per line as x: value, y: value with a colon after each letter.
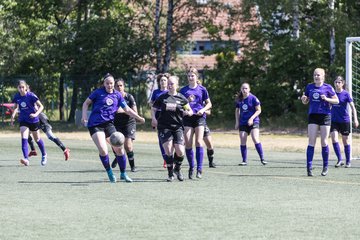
x: 117, y: 139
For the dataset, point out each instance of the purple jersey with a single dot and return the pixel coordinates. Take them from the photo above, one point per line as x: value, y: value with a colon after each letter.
x: 26, y: 106
x: 316, y: 104
x: 196, y: 96
x: 104, y: 106
x: 339, y: 112
x: 156, y: 93
x: 247, y: 108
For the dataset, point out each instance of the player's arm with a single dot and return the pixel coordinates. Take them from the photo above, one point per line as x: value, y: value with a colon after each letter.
x: 333, y: 100
x: 85, y: 108
x: 131, y: 112
x: 256, y: 113
x: 304, y: 99
x: 356, y: 121
x: 188, y: 111
x: 237, y: 116
x: 208, y: 106
x: 40, y: 107
x: 13, y: 115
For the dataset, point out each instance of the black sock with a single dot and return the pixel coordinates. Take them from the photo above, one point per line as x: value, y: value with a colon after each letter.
x: 178, y: 161
x: 210, y: 154
x: 31, y: 143
x: 170, y: 164
x: 59, y: 143
x: 131, y: 159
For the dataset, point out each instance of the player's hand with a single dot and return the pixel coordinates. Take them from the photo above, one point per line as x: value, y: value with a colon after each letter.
x: 141, y: 120
x: 84, y: 122
x: 154, y: 123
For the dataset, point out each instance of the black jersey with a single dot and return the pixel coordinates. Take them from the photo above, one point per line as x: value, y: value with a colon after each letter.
x: 172, y: 107
x: 122, y: 119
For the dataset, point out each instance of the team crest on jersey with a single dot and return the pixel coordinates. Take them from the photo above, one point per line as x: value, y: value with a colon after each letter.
x: 109, y: 102
x: 245, y: 107
x: 316, y: 95
x: 23, y: 104
x: 191, y: 98
x: 171, y: 107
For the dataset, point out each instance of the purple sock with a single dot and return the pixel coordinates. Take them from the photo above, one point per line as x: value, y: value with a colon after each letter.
x: 190, y: 157
x: 122, y: 162
x: 259, y: 150
x: 347, y: 150
x: 337, y: 151
x: 243, y: 151
x: 325, y: 155
x: 41, y: 145
x: 105, y: 161
x: 162, y: 150
x: 24, y: 148
x: 199, y: 158
x: 309, y: 156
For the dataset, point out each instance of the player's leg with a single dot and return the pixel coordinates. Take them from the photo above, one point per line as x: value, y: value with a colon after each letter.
x: 179, y: 147
x: 36, y: 134
x: 243, y: 134
x: 346, y: 139
x: 130, y: 153
x: 335, y: 142
x: 32, y: 146
x: 50, y: 135
x: 188, y: 136
x: 199, y: 133
x: 255, y: 135
x: 312, y: 134
x: 24, y: 131
x: 324, y: 135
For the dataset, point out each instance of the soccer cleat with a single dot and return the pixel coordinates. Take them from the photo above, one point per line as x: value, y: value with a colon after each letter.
x: 114, y: 163
x: 133, y: 169
x: 339, y: 164
x: 124, y: 176
x: 198, y: 174
x: 32, y: 153
x: 43, y: 160
x: 111, y: 175
x: 179, y: 174
x: 191, y: 173
x: 263, y: 162
x: 170, y: 178
x: 243, y: 164
x: 67, y: 154
x: 24, y: 162
x: 309, y: 173
x: 324, y: 171
x: 212, y: 164
x: 348, y: 165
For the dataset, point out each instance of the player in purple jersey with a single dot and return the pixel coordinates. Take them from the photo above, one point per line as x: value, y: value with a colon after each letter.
x: 320, y: 96
x: 199, y: 100
x: 173, y: 106
x: 247, y: 120
x: 126, y: 124
x: 162, y: 82
x: 209, y: 144
x: 340, y: 122
x: 29, y: 107
x: 105, y: 103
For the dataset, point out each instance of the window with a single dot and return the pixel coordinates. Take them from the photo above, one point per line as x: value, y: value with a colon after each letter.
x: 202, y: 2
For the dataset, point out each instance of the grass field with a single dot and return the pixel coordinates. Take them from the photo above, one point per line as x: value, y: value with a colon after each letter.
x: 74, y: 200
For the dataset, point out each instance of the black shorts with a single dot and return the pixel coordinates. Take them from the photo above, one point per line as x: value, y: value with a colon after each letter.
x: 194, y: 121
x: 108, y: 128
x: 177, y: 135
x: 127, y: 130
x: 319, y: 119
x: 247, y: 128
x: 343, y: 128
x: 32, y: 126
x: 206, y: 131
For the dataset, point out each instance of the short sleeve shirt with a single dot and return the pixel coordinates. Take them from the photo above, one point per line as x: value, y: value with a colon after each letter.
x: 339, y: 112
x: 27, y: 106
x: 247, y: 108
x: 196, y: 96
x: 123, y: 119
x: 316, y: 104
x: 104, y: 106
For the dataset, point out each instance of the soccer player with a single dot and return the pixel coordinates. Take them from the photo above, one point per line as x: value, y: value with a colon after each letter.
x: 47, y: 129
x: 199, y: 101
x: 29, y: 107
x: 247, y: 121
x: 173, y: 106
x: 162, y: 82
x: 320, y: 96
x: 340, y: 122
x: 126, y: 124
x: 106, y: 101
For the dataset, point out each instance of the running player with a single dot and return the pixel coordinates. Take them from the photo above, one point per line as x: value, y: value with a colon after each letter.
x: 126, y: 124
x: 29, y: 107
x: 173, y: 106
x: 340, y: 122
x: 106, y: 101
x: 247, y: 120
x: 162, y: 82
x: 47, y: 129
x: 199, y: 101
x: 319, y: 95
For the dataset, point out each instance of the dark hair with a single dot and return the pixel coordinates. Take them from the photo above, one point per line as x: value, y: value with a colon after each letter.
x: 120, y: 80
x: 106, y: 76
x: 159, y: 76
x: 340, y: 78
x: 239, y: 95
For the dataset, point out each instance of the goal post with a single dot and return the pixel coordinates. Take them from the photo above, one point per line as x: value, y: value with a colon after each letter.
x: 353, y: 77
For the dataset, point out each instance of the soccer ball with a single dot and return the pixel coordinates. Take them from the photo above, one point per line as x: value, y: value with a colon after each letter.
x: 117, y: 139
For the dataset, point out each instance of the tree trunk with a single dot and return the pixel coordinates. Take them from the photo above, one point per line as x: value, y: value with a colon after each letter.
x: 296, y: 23
x: 169, y: 25
x: 157, y: 37
x: 61, y: 97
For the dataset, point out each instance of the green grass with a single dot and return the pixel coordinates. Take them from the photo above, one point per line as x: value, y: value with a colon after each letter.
x: 74, y: 200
